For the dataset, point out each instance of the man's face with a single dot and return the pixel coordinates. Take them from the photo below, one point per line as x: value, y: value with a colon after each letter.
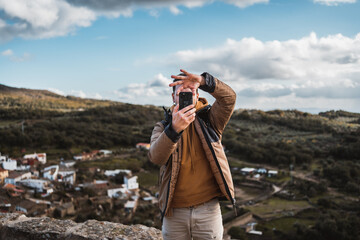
x: 176, y: 97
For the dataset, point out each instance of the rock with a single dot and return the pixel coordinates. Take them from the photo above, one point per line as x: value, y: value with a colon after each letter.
x: 17, y: 226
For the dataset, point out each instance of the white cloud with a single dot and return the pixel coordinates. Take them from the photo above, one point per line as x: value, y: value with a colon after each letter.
x: 97, y: 96
x: 334, y: 2
x: 174, y: 10
x: 330, y: 58
x: 101, y: 38
x: 78, y: 93
x: 297, y: 73
x: 8, y: 52
x: 42, y: 18
x: 245, y: 3
x: 38, y: 19
x: 57, y: 91
x: 158, y: 86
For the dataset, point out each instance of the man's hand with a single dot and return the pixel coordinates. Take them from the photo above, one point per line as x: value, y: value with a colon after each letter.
x: 181, y: 119
x: 191, y: 81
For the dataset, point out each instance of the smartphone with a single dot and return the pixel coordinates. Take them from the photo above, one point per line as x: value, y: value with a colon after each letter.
x: 185, y: 99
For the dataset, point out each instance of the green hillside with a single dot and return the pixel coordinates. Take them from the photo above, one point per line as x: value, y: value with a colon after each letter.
x: 324, y: 150
x: 11, y: 98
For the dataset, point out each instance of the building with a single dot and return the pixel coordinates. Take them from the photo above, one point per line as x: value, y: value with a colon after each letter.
x: 25, y: 206
x: 3, y: 174
x: 272, y: 173
x: 51, y: 172
x: 105, y: 152
x: 247, y: 171
x: 15, y: 177
x: 121, y: 192
x: 41, y: 157
x: 131, y: 182
x: 13, y: 190
x: 66, y: 174
x: 5, y: 205
x: 23, y: 168
x: 130, y: 206
x: 8, y: 163
x: 261, y: 171
x: 37, y: 184
x: 113, y: 173
x: 66, y: 209
x: 86, y: 156
x: 78, y: 157
x: 30, y: 208
x: 68, y: 163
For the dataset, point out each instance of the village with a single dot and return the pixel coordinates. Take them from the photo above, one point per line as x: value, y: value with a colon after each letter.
x: 29, y: 186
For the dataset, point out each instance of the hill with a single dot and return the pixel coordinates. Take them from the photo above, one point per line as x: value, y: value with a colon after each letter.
x: 11, y: 98
x: 323, y: 149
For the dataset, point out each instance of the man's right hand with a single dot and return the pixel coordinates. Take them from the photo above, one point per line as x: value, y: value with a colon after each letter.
x: 182, y: 119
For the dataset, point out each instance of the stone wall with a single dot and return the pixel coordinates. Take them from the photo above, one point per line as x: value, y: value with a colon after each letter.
x: 15, y: 226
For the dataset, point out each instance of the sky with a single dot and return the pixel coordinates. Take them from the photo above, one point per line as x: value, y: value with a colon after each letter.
x: 275, y: 54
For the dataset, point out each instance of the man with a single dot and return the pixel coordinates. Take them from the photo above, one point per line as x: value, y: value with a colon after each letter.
x: 194, y: 171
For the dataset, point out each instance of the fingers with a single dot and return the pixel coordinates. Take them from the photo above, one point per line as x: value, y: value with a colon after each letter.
x: 190, y: 112
x: 178, y: 77
x: 176, y: 108
x: 179, y: 89
x: 183, y: 71
x: 176, y: 83
x: 187, y: 108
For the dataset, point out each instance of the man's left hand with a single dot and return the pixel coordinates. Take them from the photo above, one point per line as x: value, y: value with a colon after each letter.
x: 191, y: 81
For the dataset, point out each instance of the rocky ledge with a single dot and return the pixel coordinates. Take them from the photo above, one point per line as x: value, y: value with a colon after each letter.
x: 17, y: 226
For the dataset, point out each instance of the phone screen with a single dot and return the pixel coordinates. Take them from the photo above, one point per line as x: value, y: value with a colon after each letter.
x: 185, y: 99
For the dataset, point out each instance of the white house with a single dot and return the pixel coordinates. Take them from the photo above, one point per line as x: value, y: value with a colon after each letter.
x: 131, y: 183
x: 8, y: 163
x: 47, y: 191
x: 261, y: 171
x: 15, y: 177
x: 246, y: 170
x: 23, y: 168
x: 37, y: 184
x: 272, y: 173
x: 78, y: 157
x: 51, y: 172
x: 118, y: 192
x: 68, y: 163
x: 151, y: 199
x: 117, y: 171
x: 41, y: 157
x: 105, y: 152
x: 66, y: 174
x: 131, y: 205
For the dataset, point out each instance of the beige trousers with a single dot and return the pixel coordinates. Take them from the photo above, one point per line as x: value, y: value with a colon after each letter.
x: 201, y: 222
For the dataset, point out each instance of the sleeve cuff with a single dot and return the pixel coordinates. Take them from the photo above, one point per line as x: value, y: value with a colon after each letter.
x: 172, y: 134
x: 209, y: 83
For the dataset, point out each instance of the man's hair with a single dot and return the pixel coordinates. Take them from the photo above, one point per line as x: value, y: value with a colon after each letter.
x: 175, y: 80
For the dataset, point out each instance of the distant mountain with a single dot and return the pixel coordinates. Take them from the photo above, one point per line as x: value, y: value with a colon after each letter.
x: 11, y: 97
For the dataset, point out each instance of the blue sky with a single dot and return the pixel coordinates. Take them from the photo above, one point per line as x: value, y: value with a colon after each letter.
x: 276, y: 54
